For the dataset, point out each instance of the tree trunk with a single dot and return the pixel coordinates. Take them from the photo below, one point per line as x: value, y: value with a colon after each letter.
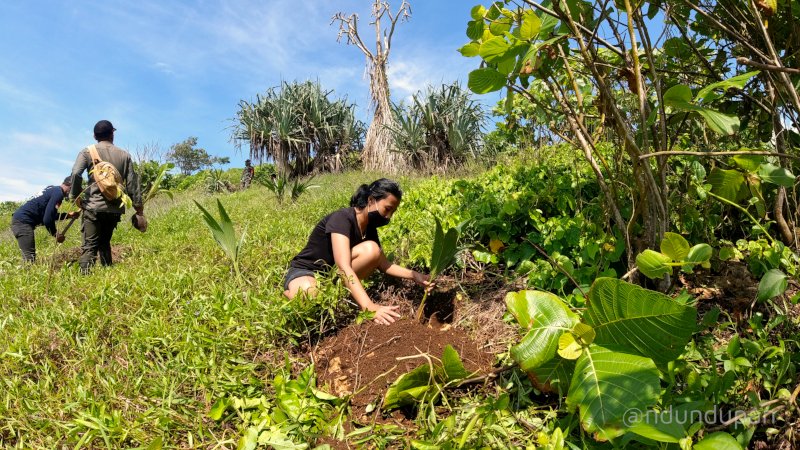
x: 379, y: 154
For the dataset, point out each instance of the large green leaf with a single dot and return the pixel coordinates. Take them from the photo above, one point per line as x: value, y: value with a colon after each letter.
x: 444, y: 249
x: 546, y: 317
x: 719, y: 123
x: 728, y: 184
x: 607, y: 385
x: 485, y: 80
x: 708, y: 94
x: 477, y: 12
x: 470, y: 50
x: 475, y: 29
x: 718, y: 441
x: 548, y: 25
x: 639, y: 320
x: 661, y: 426
x: 408, y: 388
x: 653, y: 264
x: 748, y: 163
x: 772, y: 284
x: 500, y: 26
x: 452, y: 365
x: 493, y: 49
x: 531, y: 24
x: 553, y: 376
x: 494, y: 10
x: 679, y: 97
x: 771, y: 173
x: 700, y: 253
x: 675, y: 246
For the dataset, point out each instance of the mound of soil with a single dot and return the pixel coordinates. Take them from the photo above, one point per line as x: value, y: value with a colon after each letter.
x: 365, y: 359
x: 71, y: 255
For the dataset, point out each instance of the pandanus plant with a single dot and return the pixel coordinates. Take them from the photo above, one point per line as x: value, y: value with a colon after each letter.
x: 442, y: 256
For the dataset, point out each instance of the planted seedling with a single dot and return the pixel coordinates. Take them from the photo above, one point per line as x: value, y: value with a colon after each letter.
x: 224, y: 234
x: 443, y: 254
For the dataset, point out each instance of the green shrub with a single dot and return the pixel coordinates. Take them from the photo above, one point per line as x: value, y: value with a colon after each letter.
x: 507, y: 212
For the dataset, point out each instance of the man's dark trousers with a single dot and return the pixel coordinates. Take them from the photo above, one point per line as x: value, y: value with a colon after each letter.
x: 25, y: 238
x: 98, y: 227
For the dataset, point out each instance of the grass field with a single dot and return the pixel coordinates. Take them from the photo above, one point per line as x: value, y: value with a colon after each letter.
x: 136, y: 354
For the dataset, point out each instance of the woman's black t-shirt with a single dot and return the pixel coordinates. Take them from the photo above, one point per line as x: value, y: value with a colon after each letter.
x: 318, y: 252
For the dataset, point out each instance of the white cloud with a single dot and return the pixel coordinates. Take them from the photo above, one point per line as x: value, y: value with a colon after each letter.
x: 20, y: 183
x: 413, y: 71
x: 164, y: 68
x: 31, y: 160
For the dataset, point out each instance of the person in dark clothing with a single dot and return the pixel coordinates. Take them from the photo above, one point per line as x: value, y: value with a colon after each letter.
x: 42, y: 209
x: 247, y: 174
x: 349, y: 239
x: 100, y: 215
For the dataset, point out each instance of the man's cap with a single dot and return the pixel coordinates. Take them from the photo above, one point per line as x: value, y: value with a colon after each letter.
x: 67, y: 181
x: 247, y: 161
x: 103, y: 128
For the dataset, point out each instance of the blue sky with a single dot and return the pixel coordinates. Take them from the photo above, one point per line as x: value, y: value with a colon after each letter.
x: 162, y: 71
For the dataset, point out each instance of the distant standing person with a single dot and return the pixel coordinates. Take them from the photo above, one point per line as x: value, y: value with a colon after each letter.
x: 247, y: 174
x: 349, y: 239
x: 100, y: 215
x: 42, y: 209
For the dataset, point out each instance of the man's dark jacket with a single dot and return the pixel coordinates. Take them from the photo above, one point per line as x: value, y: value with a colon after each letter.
x: 42, y: 209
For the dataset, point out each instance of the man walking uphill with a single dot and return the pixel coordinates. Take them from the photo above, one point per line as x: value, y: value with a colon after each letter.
x: 247, y: 174
x: 42, y: 209
x: 101, y: 214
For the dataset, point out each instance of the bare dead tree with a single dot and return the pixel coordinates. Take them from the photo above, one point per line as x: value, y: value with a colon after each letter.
x: 378, y: 154
x: 150, y: 151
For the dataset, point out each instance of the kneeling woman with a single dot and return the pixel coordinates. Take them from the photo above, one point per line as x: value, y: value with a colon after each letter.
x: 348, y: 237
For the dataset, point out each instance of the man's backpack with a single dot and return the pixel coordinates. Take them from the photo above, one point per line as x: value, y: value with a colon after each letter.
x: 106, y: 176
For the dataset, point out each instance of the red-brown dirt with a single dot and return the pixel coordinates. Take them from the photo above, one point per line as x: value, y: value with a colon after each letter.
x: 363, y: 360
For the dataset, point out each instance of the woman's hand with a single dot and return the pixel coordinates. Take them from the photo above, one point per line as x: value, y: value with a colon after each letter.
x: 384, y: 315
x: 423, y: 280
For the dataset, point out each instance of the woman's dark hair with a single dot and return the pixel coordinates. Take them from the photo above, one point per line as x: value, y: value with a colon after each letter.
x: 378, y: 189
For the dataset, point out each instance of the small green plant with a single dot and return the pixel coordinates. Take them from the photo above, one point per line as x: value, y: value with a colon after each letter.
x: 443, y: 254
x: 300, y: 187
x: 155, y: 187
x: 675, y: 252
x: 424, y: 385
x: 277, y: 184
x: 224, y: 234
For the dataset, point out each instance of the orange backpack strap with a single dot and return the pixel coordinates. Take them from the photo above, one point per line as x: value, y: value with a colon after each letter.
x: 93, y: 153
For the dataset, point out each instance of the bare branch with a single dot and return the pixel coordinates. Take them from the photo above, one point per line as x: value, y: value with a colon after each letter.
x: 769, y: 67
x: 404, y: 14
x: 743, y: 152
x: 348, y: 26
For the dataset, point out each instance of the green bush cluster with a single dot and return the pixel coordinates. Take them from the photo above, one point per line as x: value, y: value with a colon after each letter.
x: 505, y: 213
